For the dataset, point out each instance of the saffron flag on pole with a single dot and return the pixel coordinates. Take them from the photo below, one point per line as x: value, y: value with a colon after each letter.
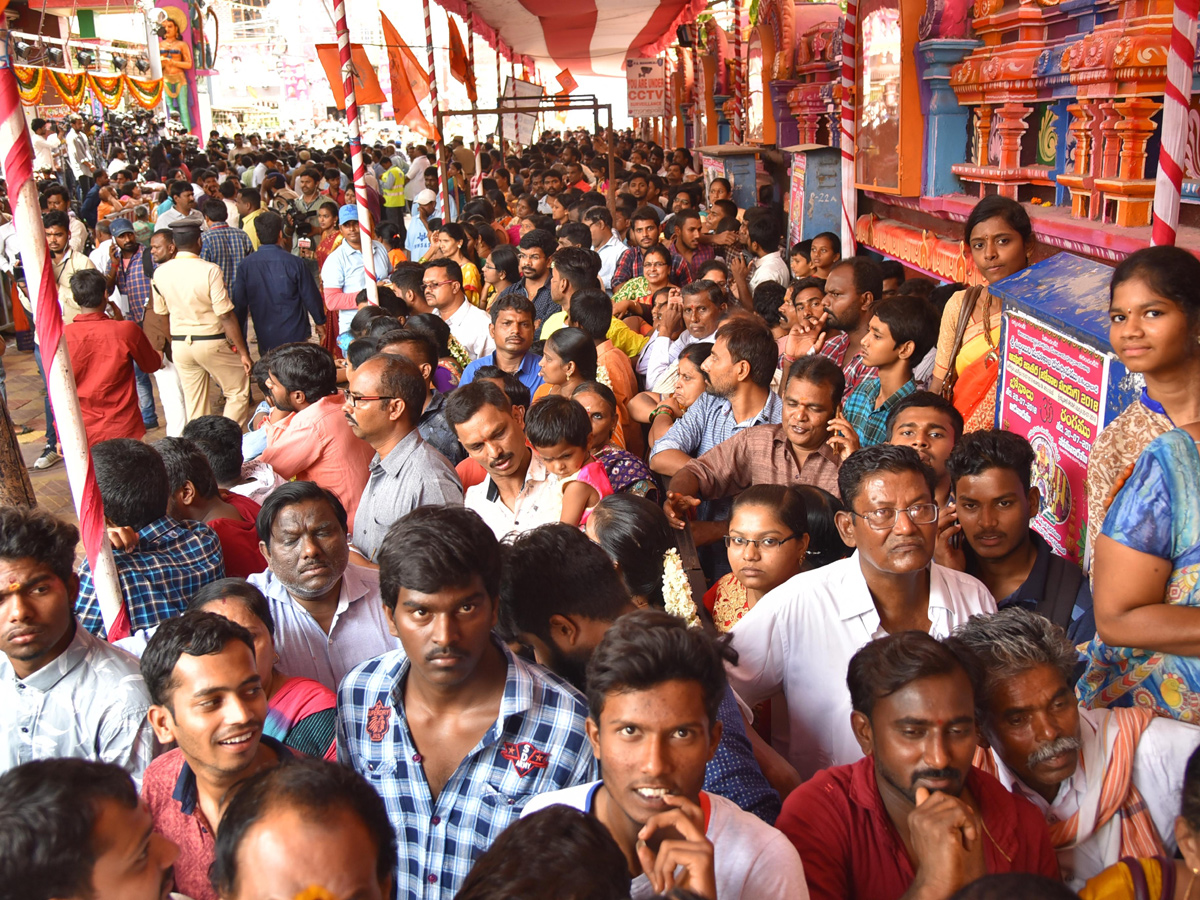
x: 460, y: 66
x: 566, y: 81
x: 409, y: 83
x: 366, y: 84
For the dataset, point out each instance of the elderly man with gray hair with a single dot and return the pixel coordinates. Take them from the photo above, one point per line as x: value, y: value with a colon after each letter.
x: 1108, y: 780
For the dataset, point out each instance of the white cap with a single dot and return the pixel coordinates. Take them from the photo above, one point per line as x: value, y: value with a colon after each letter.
x: 426, y: 196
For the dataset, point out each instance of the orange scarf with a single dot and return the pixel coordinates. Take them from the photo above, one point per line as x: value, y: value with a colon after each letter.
x: 1118, y: 796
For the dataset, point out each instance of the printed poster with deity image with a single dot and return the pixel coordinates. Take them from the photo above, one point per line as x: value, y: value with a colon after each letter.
x: 1052, y: 394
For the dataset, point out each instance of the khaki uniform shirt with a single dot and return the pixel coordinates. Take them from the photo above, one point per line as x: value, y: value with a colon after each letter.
x: 192, y: 292
x: 64, y: 268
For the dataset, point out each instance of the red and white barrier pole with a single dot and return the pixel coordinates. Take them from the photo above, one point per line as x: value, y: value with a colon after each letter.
x: 17, y: 154
x: 356, y: 154
x: 1177, y: 99
x: 849, y: 130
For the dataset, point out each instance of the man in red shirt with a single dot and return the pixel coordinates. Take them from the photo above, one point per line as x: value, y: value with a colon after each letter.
x: 103, y: 352
x: 196, y: 496
x: 912, y: 819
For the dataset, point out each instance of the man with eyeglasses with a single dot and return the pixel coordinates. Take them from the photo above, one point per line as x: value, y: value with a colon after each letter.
x: 802, y: 638
x: 383, y: 405
x: 443, y: 284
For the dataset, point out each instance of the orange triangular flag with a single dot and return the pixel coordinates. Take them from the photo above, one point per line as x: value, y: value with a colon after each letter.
x: 366, y: 84
x: 406, y: 74
x: 460, y: 68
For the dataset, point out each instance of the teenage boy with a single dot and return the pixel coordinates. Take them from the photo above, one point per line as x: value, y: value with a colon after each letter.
x: 994, y: 501
x: 512, y: 332
x: 931, y: 425
x: 653, y: 689
x: 900, y: 332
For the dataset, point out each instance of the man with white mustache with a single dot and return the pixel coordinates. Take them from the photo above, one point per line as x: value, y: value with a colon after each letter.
x: 1108, y: 780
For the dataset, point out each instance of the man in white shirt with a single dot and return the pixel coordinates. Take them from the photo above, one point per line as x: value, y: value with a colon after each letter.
x: 490, y: 429
x: 700, y: 306
x: 45, y: 146
x: 328, y: 613
x: 1108, y: 780
x: 654, y: 687
x: 79, y: 158
x: 764, y: 244
x: 444, y: 292
x: 605, y: 242
x: 800, y: 639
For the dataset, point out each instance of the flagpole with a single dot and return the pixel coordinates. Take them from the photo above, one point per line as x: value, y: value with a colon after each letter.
x: 499, y: 104
x: 437, y: 114
x: 356, y: 154
x: 474, y: 103
x: 47, y: 316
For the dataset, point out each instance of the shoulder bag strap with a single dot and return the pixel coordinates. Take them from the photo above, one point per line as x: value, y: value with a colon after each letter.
x: 970, y: 298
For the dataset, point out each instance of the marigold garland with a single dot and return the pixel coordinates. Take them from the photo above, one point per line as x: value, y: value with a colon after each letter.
x: 73, y: 88
x: 108, y: 89
x: 145, y: 93
x: 31, y: 83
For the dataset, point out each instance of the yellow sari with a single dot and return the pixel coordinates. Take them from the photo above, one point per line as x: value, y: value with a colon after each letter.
x: 977, y: 345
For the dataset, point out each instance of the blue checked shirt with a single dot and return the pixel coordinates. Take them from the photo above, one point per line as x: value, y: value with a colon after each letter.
x: 226, y: 247
x: 133, y: 283
x: 172, y: 561
x: 537, y: 744
x: 869, y: 422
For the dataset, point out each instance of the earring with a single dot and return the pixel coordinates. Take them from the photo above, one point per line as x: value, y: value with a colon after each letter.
x: 1187, y: 895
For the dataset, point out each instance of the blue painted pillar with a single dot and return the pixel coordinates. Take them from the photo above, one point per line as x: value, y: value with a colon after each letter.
x: 946, y: 123
x: 723, y: 133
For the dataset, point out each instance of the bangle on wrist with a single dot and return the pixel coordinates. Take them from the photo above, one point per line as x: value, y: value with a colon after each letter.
x: 663, y: 411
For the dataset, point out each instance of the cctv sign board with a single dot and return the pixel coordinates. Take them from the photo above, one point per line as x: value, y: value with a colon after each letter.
x: 646, y: 80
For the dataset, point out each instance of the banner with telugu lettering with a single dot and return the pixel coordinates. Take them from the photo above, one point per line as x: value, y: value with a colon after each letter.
x: 1053, y: 395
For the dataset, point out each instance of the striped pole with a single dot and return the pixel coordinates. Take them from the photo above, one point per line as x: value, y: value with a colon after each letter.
x: 437, y: 115
x: 849, y: 192
x: 477, y: 181
x: 356, y: 154
x: 499, y: 97
x: 1176, y: 101
x: 736, y: 77
x: 48, y: 324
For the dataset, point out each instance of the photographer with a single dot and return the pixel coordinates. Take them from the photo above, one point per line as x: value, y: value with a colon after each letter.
x: 302, y: 220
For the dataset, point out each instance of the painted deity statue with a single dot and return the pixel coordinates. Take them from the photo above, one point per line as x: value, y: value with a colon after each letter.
x: 176, y: 60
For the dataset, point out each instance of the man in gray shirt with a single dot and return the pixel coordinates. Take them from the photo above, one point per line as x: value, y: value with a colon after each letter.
x: 384, y: 401
x: 63, y: 692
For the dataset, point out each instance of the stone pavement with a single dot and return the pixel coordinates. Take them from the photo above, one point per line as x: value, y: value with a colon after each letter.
x: 26, y: 405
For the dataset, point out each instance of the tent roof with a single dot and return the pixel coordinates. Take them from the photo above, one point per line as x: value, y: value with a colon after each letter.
x: 589, y: 37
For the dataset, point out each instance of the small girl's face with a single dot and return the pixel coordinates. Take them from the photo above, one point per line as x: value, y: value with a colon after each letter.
x: 600, y: 414
x: 554, y: 371
x: 823, y: 255
x: 1149, y: 333
x: 563, y: 459
x: 526, y: 226
x: 691, y: 384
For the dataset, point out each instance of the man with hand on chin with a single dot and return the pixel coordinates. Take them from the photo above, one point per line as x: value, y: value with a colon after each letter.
x: 653, y: 688
x: 209, y: 701
x: 912, y: 820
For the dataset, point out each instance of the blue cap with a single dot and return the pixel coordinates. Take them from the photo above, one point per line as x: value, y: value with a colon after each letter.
x: 118, y: 227
x: 348, y: 213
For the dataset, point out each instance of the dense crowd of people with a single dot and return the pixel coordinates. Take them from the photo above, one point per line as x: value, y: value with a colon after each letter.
x: 620, y: 549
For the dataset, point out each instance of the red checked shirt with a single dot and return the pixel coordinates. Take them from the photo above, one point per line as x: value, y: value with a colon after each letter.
x: 852, y: 851
x: 102, y: 353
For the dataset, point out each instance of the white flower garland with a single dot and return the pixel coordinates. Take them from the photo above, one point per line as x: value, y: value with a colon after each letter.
x: 677, y: 590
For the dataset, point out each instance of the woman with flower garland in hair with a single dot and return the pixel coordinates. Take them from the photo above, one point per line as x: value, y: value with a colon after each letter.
x: 767, y: 542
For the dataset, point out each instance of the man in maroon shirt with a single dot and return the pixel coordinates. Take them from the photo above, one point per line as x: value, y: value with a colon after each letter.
x: 209, y: 701
x: 103, y: 352
x: 912, y: 820
x: 195, y: 495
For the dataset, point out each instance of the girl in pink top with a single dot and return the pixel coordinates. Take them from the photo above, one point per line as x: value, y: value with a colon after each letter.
x: 558, y: 429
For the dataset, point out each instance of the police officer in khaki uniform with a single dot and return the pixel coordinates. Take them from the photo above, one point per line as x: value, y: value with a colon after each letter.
x: 205, y: 337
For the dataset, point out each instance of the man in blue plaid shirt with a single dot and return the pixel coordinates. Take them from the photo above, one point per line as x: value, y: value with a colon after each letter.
x: 222, y: 244
x: 162, y: 561
x: 453, y: 731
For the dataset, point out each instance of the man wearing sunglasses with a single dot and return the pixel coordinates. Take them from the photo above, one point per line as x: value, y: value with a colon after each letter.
x: 802, y: 637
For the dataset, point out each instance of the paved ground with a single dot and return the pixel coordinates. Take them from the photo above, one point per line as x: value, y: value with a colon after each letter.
x: 26, y: 393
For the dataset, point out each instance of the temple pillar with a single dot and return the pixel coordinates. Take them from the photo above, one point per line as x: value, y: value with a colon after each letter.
x: 947, y: 123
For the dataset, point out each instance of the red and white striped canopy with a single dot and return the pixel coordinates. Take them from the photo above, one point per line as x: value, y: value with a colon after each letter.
x: 589, y: 37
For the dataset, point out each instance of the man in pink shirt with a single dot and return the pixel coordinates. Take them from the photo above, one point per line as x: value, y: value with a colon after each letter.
x: 313, y: 441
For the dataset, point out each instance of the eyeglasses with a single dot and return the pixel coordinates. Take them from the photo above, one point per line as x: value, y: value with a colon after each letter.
x: 355, y: 399
x: 885, y: 519
x: 741, y: 543
x: 434, y: 285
